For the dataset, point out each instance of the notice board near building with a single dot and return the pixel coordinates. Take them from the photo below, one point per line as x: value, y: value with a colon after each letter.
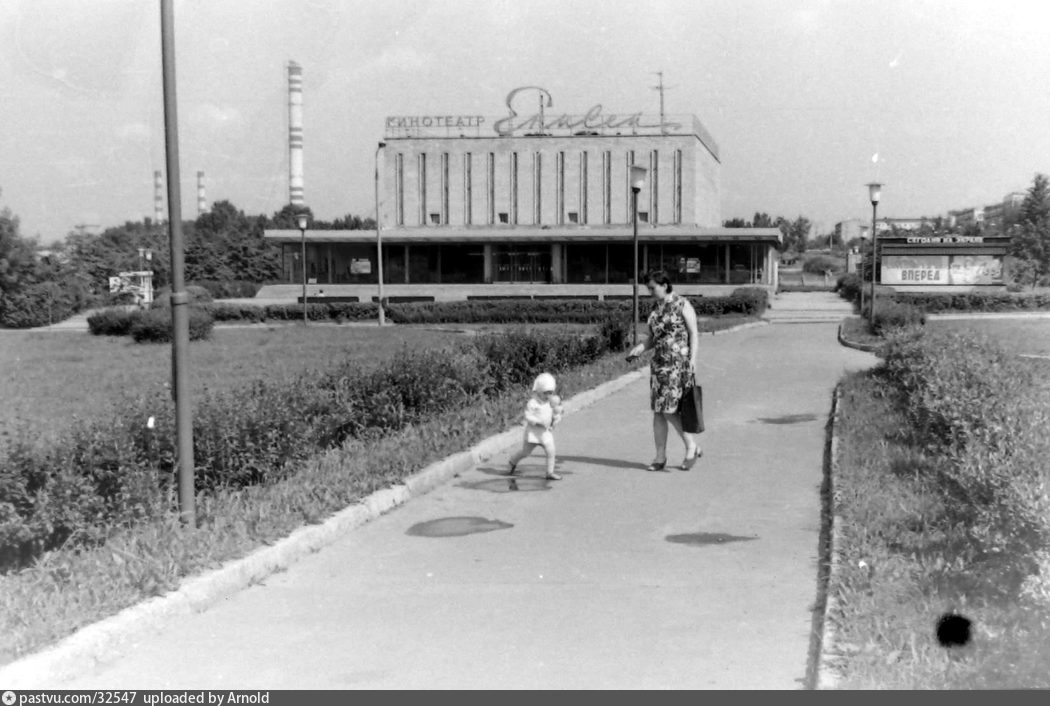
x: 945, y: 260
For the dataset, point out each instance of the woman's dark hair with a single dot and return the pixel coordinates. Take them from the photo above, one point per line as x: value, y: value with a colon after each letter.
x: 660, y: 277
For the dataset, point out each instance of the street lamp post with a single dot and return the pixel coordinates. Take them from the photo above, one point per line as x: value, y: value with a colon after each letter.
x: 179, y: 298
x: 302, y: 220
x: 379, y: 241
x: 874, y: 192
x: 637, y: 182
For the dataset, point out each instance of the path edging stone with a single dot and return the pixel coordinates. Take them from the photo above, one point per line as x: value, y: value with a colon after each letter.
x: 827, y: 657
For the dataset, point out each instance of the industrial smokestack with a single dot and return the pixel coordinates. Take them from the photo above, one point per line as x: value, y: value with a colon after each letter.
x: 202, y: 203
x: 158, y: 198
x: 295, y: 133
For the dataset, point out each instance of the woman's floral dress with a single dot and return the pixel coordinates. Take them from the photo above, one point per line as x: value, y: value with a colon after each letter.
x: 670, y: 366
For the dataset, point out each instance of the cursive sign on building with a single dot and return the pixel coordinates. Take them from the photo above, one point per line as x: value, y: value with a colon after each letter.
x: 521, y: 121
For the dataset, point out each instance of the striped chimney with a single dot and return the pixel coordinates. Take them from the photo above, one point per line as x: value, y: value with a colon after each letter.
x: 295, y: 133
x: 158, y: 198
x: 202, y: 203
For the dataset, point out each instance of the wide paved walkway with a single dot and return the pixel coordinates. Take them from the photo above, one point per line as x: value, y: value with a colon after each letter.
x: 611, y: 578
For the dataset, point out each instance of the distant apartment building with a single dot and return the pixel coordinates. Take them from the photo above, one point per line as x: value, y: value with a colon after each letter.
x: 994, y: 217
x: 850, y: 229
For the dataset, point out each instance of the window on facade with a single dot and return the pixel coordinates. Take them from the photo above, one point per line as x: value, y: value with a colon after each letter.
x: 643, y: 216
x: 435, y: 219
x: 574, y: 217
x: 504, y: 217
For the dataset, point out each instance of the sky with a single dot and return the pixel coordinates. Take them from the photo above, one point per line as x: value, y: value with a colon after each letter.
x: 801, y: 95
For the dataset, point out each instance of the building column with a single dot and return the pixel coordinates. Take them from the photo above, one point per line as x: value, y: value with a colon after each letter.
x: 487, y: 258
x: 556, y: 268
x: 406, y: 263
x: 438, y: 246
x: 728, y: 270
x: 331, y: 272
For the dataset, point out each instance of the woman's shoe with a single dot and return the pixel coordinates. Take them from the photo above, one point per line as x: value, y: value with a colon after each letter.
x: 690, y: 461
x: 553, y: 476
x: 656, y: 466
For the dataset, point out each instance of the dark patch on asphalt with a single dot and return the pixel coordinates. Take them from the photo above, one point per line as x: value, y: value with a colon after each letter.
x: 509, y: 484
x: 789, y: 419
x: 456, y: 527
x: 703, y: 539
x: 953, y: 630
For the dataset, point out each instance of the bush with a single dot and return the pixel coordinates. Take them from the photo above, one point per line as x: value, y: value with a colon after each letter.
x: 983, y: 413
x: 198, y: 295
x: 819, y: 264
x: 113, y: 322
x: 156, y: 326
x: 41, y: 303
x: 224, y: 311
x: 890, y: 315
x: 848, y: 286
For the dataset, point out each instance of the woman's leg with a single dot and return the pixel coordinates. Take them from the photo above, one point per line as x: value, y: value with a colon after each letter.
x: 688, y: 439
x: 660, y: 436
x: 548, y: 447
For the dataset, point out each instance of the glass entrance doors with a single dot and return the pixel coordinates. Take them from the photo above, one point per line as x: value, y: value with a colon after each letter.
x: 522, y: 264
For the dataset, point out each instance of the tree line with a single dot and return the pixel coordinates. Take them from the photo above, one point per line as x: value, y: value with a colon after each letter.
x: 224, y: 245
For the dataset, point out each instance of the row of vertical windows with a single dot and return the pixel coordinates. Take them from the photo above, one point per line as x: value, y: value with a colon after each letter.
x: 648, y: 212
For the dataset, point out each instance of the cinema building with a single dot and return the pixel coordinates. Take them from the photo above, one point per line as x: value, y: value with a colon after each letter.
x: 537, y: 203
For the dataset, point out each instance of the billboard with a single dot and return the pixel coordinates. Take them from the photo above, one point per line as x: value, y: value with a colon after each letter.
x: 942, y: 269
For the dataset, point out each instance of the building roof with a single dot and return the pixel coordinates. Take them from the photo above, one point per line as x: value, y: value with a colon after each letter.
x: 491, y: 234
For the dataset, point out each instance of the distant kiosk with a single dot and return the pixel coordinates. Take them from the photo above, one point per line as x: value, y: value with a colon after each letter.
x: 139, y: 283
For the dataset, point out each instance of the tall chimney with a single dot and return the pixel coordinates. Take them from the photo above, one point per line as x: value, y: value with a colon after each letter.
x: 158, y: 198
x: 202, y: 203
x: 295, y: 133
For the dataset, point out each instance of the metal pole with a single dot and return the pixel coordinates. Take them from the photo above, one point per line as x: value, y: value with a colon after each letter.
x: 379, y: 241
x: 179, y: 297
x: 874, y: 261
x: 634, y: 279
x: 302, y: 232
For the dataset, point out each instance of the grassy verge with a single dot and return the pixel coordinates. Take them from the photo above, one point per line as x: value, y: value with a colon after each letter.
x: 1025, y: 336
x: 855, y: 330
x: 68, y: 589
x: 905, y: 564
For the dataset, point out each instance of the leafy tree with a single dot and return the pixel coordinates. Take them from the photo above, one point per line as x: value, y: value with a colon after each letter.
x: 1030, y: 241
x: 736, y: 223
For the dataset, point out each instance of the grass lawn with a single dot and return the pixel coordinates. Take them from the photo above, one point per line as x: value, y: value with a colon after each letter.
x: 902, y: 568
x: 49, y: 379
x: 1025, y: 336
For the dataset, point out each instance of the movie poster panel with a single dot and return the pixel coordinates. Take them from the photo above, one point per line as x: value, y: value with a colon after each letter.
x: 914, y: 269
x: 976, y: 269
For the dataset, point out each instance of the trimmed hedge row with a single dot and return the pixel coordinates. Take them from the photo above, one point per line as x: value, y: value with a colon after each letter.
x: 746, y: 301
x: 114, y: 472
x: 983, y: 414
x: 152, y: 326
x: 848, y: 287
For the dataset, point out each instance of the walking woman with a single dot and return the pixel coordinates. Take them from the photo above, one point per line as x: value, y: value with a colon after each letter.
x: 673, y: 339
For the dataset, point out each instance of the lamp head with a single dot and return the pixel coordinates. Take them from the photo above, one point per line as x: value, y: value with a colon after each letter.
x: 302, y: 220
x: 874, y: 192
x: 637, y: 177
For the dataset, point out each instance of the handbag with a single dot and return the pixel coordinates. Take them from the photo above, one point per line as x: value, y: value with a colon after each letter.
x: 691, y: 407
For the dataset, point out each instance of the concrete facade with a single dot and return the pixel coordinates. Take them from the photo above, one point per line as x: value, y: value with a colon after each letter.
x: 539, y: 200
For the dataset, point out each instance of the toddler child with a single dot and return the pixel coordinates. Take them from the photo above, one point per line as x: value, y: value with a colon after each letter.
x: 540, y: 417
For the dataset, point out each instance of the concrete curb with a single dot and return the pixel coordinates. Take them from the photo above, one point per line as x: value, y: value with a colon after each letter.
x: 866, y: 347
x: 826, y: 677
x: 94, y: 643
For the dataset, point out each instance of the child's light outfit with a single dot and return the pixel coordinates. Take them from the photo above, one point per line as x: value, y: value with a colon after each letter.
x: 539, y: 416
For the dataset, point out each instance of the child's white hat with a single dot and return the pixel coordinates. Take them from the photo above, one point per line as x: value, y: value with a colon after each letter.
x: 544, y: 383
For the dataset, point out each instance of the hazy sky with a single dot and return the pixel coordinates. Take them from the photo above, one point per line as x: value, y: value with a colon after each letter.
x: 954, y: 97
